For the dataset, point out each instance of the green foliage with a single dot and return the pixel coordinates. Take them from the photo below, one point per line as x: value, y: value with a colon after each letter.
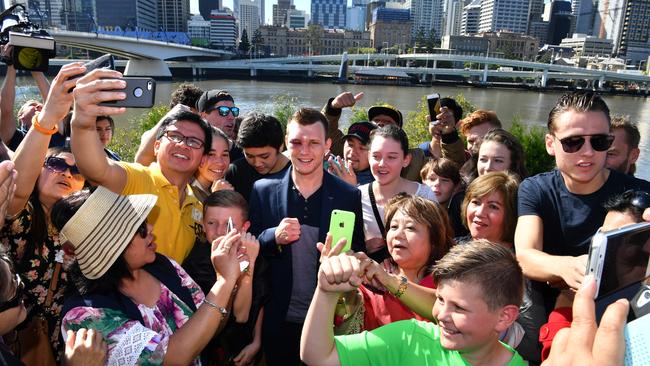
x: 361, y: 50
x: 284, y: 106
x: 244, y: 44
x: 532, y: 140
x: 416, y: 125
x: 126, y: 140
x: 359, y: 114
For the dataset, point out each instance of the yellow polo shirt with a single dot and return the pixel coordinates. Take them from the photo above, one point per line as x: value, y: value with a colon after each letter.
x: 175, y: 226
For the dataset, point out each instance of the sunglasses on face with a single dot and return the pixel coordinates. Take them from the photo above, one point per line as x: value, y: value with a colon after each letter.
x: 599, y: 142
x: 18, y: 295
x: 177, y: 137
x: 142, y: 230
x: 224, y: 110
x: 59, y: 165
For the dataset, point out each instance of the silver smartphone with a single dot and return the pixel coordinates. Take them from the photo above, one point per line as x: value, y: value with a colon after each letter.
x: 619, y: 258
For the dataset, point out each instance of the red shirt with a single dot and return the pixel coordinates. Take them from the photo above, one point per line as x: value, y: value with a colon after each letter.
x: 384, y: 308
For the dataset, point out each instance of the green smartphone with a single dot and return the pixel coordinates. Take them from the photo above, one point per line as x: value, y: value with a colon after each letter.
x: 342, y: 226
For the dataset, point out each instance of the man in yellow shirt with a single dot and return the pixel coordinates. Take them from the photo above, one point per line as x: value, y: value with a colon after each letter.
x: 182, y: 141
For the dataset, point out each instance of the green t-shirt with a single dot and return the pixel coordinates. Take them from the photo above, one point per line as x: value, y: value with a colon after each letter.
x: 407, y: 342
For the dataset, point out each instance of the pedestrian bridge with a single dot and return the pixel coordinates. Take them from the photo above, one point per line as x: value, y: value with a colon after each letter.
x: 146, y: 57
x: 482, y: 70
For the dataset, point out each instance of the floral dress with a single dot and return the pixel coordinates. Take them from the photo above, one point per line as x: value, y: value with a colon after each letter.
x: 131, y: 342
x: 38, y: 271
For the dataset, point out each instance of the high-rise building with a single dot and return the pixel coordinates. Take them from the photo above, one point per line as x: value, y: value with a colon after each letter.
x: 127, y: 14
x: 470, y: 18
x: 198, y: 29
x: 608, y: 23
x: 206, y: 6
x: 504, y: 15
x: 77, y: 15
x: 223, y: 29
x: 249, y: 18
x: 453, y: 16
x: 280, y: 12
x: 537, y: 26
x: 585, y: 13
x: 634, y: 41
x: 559, y: 25
x: 173, y: 15
x: 355, y: 17
x: 426, y: 15
x: 296, y: 19
x: 328, y: 13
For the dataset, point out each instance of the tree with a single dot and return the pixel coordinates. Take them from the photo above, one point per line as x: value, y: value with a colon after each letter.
x: 420, y: 40
x: 432, y: 40
x: 258, y: 40
x: 244, y: 44
x: 314, y: 34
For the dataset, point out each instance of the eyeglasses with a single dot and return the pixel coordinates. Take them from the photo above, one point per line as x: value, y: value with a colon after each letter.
x: 143, y: 230
x: 177, y: 137
x: 638, y: 199
x: 59, y: 165
x: 18, y: 295
x: 599, y: 142
x: 224, y: 110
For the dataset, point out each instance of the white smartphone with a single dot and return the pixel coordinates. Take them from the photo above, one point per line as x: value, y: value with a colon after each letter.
x: 243, y: 264
x: 618, y: 260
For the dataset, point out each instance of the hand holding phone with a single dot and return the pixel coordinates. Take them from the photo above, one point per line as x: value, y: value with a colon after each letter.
x: 342, y: 227
x: 433, y: 103
x: 140, y: 93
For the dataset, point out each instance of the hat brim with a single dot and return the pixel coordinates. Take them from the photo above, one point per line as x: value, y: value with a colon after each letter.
x: 390, y: 112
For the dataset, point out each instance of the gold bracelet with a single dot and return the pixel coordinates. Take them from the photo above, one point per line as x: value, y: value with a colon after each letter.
x: 37, y: 126
x: 404, y: 282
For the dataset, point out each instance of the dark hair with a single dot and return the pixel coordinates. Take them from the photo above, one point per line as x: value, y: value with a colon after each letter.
x: 503, y: 182
x: 453, y: 106
x: 309, y: 116
x: 429, y: 214
x: 517, y: 157
x: 188, y: 117
x: 491, y: 267
x: 580, y: 102
x: 259, y: 130
x: 109, y: 282
x: 38, y: 224
x: 226, y: 198
x: 632, y: 135
x: 108, y: 118
x: 442, y: 167
x: 218, y: 133
x: 623, y: 203
x: 392, y: 132
x: 186, y: 94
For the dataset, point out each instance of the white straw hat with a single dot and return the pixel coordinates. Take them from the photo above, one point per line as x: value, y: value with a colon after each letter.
x: 102, y: 228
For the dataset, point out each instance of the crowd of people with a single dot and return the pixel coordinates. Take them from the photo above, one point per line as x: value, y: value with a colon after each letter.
x: 212, y: 247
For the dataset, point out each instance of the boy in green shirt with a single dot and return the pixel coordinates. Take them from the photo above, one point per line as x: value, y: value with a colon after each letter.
x: 480, y: 288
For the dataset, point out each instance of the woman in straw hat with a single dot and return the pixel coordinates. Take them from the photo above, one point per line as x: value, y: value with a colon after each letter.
x: 44, y: 176
x: 144, y: 304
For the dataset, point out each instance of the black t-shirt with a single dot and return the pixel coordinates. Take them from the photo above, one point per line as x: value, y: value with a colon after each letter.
x: 570, y: 220
x: 242, y: 176
x: 56, y: 140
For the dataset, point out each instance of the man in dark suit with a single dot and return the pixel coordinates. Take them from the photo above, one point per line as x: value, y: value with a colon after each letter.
x: 289, y: 214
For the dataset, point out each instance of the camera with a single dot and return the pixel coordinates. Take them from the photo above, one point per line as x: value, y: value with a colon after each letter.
x: 32, y: 47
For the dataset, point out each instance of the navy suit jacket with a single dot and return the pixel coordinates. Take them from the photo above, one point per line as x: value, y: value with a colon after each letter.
x: 268, y: 206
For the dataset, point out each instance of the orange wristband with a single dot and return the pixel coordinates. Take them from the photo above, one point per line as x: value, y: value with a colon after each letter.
x: 37, y: 126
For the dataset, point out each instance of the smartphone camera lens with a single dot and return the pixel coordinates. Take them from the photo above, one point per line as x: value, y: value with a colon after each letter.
x: 137, y: 92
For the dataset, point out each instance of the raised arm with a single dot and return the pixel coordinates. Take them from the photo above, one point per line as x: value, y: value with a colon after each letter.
x: 30, y: 154
x: 145, y: 154
x: 88, y: 150
x: 7, y: 100
x: 42, y: 83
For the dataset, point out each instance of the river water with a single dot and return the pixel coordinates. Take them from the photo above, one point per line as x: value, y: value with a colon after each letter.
x: 530, y: 106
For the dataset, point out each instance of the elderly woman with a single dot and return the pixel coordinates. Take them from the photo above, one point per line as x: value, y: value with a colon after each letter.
x: 44, y: 176
x: 418, y: 235
x: 146, y: 306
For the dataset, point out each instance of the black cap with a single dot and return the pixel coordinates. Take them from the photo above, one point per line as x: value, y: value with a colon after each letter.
x: 210, y: 98
x: 389, y: 111
x: 360, y: 130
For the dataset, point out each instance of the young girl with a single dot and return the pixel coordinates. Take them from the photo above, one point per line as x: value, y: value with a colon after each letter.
x: 388, y: 155
x: 209, y: 177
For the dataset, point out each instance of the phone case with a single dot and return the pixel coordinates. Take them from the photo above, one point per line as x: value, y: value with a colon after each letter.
x: 637, y: 338
x: 342, y: 226
x: 140, y: 93
x: 433, y: 102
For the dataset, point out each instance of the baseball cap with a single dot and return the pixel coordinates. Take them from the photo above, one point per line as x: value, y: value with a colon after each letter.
x: 210, y: 98
x: 389, y: 111
x: 361, y: 131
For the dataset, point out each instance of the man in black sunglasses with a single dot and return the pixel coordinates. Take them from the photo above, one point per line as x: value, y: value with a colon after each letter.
x: 559, y: 211
x: 218, y: 108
